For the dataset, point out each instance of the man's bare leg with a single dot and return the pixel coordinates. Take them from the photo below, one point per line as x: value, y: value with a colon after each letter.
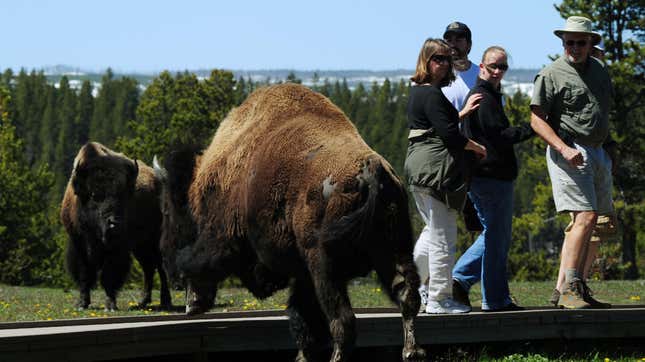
x: 573, y: 259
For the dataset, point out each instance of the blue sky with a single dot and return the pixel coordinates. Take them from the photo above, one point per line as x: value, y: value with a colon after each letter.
x: 142, y: 35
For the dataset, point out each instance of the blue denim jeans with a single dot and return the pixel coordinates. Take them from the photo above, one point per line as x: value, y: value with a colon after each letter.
x: 486, y: 259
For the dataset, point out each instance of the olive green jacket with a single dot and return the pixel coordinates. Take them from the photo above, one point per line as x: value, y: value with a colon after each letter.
x: 434, y: 169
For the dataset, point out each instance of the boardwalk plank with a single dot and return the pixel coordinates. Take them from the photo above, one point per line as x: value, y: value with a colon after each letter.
x: 121, y: 337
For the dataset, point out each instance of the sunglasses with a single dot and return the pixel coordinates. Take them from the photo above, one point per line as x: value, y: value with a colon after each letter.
x: 494, y: 66
x: 579, y: 43
x: 441, y: 58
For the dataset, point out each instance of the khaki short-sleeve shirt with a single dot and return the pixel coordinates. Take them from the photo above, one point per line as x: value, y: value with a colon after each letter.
x: 578, y: 102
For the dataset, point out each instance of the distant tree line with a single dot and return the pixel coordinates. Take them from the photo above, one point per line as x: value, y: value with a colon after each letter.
x: 42, y: 126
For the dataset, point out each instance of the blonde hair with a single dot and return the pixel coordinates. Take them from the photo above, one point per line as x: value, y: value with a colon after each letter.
x: 494, y: 48
x: 422, y: 74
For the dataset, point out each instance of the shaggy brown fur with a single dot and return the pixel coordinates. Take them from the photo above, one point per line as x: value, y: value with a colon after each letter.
x: 289, y: 191
x: 110, y: 209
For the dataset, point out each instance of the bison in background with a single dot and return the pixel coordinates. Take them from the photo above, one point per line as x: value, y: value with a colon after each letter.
x: 289, y: 193
x: 111, y: 209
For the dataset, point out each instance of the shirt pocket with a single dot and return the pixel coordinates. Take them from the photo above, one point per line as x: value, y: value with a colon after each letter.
x: 577, y: 103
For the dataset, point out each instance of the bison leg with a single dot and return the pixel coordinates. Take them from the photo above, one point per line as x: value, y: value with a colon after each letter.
x: 82, y: 272
x: 165, y: 299
x: 307, y: 323
x: 115, y: 271
x: 402, y: 287
x: 146, y: 293
x: 200, y: 296
x: 335, y: 304
x: 87, y: 279
x: 203, y: 266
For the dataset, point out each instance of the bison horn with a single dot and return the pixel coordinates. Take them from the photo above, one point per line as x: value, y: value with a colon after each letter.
x: 159, y: 170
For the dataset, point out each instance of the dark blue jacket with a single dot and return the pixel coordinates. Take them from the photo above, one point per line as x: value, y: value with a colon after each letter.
x: 489, y: 126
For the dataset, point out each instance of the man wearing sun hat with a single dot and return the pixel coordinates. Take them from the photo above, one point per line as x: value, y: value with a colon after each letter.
x: 605, y: 228
x: 569, y: 110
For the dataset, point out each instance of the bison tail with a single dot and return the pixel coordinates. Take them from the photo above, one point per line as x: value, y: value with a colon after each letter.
x: 383, y: 216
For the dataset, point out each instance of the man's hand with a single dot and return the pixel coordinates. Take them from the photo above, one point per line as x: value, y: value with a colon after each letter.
x: 572, y: 155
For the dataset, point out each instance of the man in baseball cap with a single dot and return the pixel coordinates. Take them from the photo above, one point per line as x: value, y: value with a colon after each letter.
x: 458, y: 29
x: 459, y: 37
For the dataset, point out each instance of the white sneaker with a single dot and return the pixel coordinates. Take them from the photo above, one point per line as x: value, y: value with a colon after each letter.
x: 448, y: 306
x: 423, y: 292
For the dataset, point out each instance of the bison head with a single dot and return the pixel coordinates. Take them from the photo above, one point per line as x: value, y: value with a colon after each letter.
x: 177, y: 227
x: 104, y: 185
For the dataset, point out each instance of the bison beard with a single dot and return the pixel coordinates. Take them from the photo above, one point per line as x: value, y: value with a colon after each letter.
x: 288, y: 193
x: 111, y: 209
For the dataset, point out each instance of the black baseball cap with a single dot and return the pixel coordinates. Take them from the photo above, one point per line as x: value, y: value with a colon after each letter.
x: 458, y: 28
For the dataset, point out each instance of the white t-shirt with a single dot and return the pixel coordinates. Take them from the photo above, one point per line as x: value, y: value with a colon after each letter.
x: 457, y: 91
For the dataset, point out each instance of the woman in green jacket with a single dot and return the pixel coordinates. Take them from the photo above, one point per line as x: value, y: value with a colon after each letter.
x: 435, y: 170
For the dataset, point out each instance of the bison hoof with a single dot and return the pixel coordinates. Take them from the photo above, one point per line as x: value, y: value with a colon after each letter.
x: 82, y: 306
x: 110, y: 306
x: 301, y: 357
x: 416, y: 354
x: 193, y: 309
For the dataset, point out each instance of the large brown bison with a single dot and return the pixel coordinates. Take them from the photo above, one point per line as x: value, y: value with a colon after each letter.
x: 110, y: 210
x: 289, y: 193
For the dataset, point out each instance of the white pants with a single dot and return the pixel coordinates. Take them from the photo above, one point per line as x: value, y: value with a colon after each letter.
x: 434, y: 252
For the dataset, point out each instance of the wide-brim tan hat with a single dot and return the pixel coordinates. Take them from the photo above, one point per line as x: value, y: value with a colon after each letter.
x: 578, y: 24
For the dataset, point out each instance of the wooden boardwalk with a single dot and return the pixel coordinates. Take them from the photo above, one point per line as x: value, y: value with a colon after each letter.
x: 134, y: 337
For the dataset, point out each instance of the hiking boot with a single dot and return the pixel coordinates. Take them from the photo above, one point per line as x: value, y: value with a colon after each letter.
x: 555, y: 297
x: 594, y: 303
x: 572, y: 296
x: 459, y: 294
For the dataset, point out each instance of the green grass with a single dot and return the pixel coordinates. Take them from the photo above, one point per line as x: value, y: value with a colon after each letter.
x: 35, y: 303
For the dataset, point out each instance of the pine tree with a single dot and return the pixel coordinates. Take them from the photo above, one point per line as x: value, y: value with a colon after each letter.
x: 26, y: 237
x: 240, y: 91
x: 84, y: 111
x: 398, y: 137
x: 66, y: 142
x: 100, y: 127
x: 6, y: 79
x: 125, y: 106
x: 179, y: 111
x: 30, y: 102
x: 49, y: 128
x: 359, y: 108
x: 291, y: 78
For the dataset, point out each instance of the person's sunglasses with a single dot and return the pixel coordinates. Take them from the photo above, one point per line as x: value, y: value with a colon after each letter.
x: 579, y: 43
x: 441, y: 58
x: 494, y: 66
